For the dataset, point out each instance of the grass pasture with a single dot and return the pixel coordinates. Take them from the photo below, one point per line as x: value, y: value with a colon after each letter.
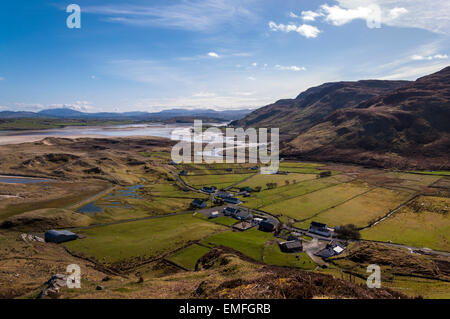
x: 141, y: 239
x: 362, y: 210
x: 250, y: 243
x: 283, y: 193
x: 220, y: 181
x: 306, y: 206
x: 274, y: 256
x: 429, y: 227
x: 187, y: 257
x: 261, y: 180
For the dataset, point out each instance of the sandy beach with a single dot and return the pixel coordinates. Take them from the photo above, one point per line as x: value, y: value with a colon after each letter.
x: 20, y: 139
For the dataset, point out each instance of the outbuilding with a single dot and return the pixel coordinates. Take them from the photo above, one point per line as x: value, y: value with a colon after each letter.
x: 268, y: 225
x: 291, y: 246
x: 59, y: 236
x: 230, y: 211
x: 243, y: 215
x: 198, y: 203
x: 232, y: 200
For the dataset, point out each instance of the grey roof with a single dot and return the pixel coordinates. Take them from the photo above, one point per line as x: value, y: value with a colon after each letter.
x: 293, y: 244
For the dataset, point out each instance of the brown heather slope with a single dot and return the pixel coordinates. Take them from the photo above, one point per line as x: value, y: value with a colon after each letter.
x: 405, y: 128
x: 294, y: 116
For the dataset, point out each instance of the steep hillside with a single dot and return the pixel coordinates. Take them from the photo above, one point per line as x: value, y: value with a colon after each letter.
x: 407, y: 127
x: 294, y: 116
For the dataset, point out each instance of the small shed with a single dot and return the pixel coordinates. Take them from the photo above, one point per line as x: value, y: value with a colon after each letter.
x: 59, y: 236
x: 213, y: 215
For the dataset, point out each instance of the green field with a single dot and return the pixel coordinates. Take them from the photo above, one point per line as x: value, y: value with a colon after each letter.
x: 428, y: 228
x: 274, y: 256
x: 362, y: 210
x: 440, y: 173
x: 250, y: 242
x: 306, y: 206
x: 220, y: 181
x: 147, y: 239
x: 223, y: 220
x: 283, y: 193
x: 187, y: 257
x: 261, y: 180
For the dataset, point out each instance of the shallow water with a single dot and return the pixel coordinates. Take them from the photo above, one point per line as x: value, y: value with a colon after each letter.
x: 21, y: 180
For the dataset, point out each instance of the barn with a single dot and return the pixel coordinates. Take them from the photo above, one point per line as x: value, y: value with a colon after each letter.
x: 59, y: 236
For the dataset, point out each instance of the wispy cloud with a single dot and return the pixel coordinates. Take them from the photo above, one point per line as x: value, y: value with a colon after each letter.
x: 310, y: 15
x: 430, y: 57
x: 2, y: 78
x: 290, y: 68
x: 306, y: 30
x: 193, y: 15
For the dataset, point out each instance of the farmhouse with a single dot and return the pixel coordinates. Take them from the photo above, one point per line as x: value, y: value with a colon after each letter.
x: 230, y: 211
x: 319, y: 229
x: 243, y: 215
x: 209, y: 190
x: 291, y: 246
x: 198, y: 203
x: 224, y: 195
x: 232, y: 200
x: 59, y: 236
x: 268, y: 225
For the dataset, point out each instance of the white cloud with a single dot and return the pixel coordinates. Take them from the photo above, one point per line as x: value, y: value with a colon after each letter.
x: 251, y: 78
x: 213, y: 55
x: 254, y: 64
x: 429, y: 57
x: 397, y: 12
x: 431, y: 15
x: 290, y: 68
x: 310, y: 15
x: 306, y: 30
x: 293, y: 15
x: 339, y: 16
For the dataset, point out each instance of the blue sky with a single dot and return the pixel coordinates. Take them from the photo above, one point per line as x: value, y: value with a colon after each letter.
x: 154, y: 55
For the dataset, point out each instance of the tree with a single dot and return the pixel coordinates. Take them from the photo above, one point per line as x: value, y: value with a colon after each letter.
x: 349, y: 231
x: 286, y: 182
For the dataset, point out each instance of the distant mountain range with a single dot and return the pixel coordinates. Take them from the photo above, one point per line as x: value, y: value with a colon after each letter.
x: 66, y: 113
x: 380, y: 123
